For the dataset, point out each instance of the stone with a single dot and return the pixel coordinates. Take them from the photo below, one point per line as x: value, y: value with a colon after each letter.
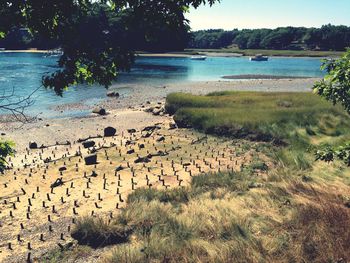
x: 141, y: 146
x: 88, y: 144
x: 131, y: 131
x: 156, y: 111
x: 142, y: 160
x: 63, y: 168
x: 161, y: 139
x: 119, y: 168
x: 151, y: 128
x: 91, y: 159
x: 99, y: 111
x: 113, y: 94
x: 109, y: 132
x: 130, y: 151
x: 33, y: 145
x: 57, y: 183
x: 172, y: 126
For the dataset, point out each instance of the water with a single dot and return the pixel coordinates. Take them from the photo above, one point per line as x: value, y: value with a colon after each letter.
x: 23, y: 71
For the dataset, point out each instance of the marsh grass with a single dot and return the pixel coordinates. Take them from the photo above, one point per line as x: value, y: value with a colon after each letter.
x: 99, y: 232
x: 258, y: 115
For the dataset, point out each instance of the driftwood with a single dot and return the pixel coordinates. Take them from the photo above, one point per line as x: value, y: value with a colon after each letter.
x: 199, y: 140
x: 53, y: 145
x: 90, y: 137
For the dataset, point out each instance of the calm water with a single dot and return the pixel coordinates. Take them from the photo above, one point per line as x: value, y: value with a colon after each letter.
x: 22, y: 72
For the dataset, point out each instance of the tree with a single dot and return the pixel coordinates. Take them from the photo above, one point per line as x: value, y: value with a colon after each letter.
x: 99, y: 37
x: 335, y: 87
x: 6, y: 149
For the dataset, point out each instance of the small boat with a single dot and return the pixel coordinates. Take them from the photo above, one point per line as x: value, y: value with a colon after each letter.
x: 54, y: 53
x: 259, y: 57
x: 198, y: 58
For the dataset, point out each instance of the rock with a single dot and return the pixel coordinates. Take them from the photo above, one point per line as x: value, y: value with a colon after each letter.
x: 147, y: 135
x: 119, y: 168
x: 91, y: 159
x: 113, y: 94
x: 63, y: 168
x: 33, y: 145
x: 131, y: 131
x: 151, y: 128
x: 99, y: 111
x: 150, y: 109
x: 128, y: 142
x: 161, y: 139
x: 88, y: 144
x: 172, y: 126
x: 142, y: 160
x: 130, y: 151
x: 141, y: 146
x: 57, y: 183
x: 109, y: 132
x: 156, y: 111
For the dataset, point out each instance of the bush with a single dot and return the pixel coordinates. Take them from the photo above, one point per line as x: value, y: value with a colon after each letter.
x: 99, y: 233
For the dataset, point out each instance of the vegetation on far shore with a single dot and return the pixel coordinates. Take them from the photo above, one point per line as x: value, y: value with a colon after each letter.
x: 269, y: 52
x: 328, y: 37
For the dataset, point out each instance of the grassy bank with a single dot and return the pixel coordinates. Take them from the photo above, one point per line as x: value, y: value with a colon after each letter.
x: 259, y: 116
x: 282, y: 53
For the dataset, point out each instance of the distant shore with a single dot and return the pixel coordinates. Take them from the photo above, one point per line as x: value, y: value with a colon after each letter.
x: 262, y: 77
x: 24, y: 51
x: 218, y: 53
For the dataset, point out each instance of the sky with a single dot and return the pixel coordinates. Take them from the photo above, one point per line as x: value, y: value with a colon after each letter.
x: 230, y: 14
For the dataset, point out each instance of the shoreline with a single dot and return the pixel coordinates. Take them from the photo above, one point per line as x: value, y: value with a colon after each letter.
x: 262, y: 77
x: 129, y: 111
x: 188, y: 54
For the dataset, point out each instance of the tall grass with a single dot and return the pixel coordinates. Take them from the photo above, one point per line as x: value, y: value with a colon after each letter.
x: 258, y: 114
x: 287, y: 214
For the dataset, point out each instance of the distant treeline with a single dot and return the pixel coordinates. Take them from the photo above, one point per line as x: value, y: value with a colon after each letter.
x: 328, y: 37
x: 21, y: 38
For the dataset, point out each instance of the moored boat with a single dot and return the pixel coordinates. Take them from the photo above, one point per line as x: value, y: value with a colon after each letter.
x: 198, y: 58
x: 259, y: 57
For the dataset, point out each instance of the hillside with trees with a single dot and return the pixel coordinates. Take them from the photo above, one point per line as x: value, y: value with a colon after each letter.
x: 328, y: 37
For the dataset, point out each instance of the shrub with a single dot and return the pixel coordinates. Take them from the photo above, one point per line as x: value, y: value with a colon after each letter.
x: 96, y: 232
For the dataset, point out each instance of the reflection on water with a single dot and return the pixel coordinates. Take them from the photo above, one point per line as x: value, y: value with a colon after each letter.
x: 23, y: 72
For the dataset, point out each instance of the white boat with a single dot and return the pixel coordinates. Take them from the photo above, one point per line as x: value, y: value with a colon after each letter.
x: 54, y: 53
x: 198, y: 57
x: 259, y: 57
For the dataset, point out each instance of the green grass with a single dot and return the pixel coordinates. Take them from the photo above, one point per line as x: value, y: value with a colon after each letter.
x: 258, y: 115
x: 266, y: 52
